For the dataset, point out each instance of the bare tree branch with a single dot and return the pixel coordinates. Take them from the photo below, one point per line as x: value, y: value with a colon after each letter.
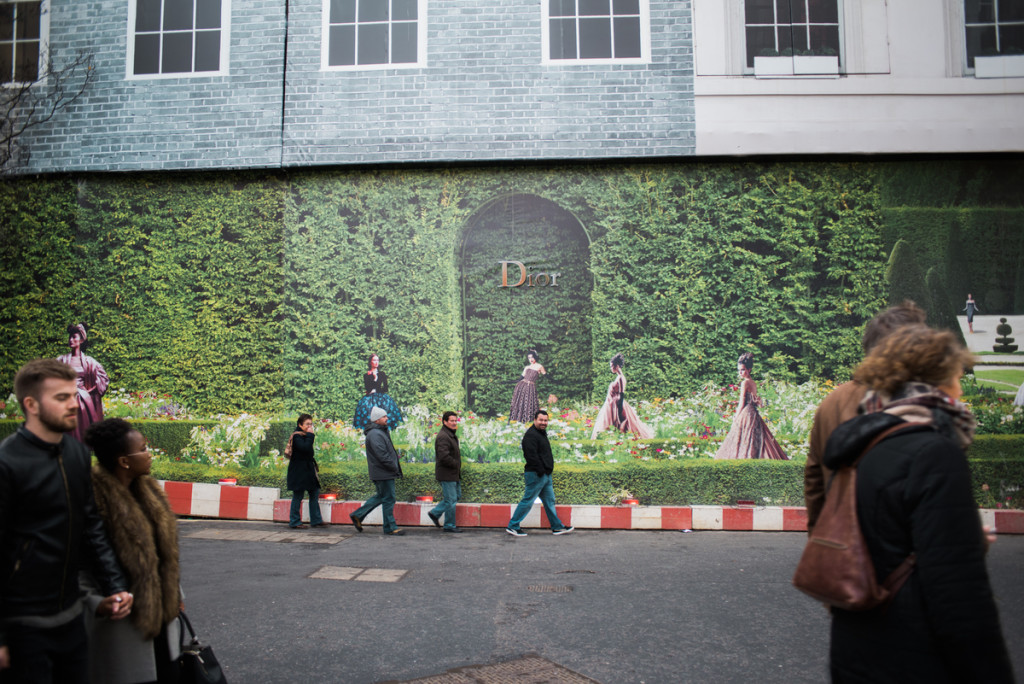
x: 27, y: 105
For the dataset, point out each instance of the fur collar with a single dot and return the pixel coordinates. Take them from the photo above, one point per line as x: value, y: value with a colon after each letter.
x: 144, y: 534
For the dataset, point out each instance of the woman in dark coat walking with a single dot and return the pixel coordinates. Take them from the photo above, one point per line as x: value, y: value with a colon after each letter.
x: 302, y: 473
x: 914, y: 496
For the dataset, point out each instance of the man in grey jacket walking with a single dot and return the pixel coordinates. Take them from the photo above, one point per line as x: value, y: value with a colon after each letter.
x: 384, y: 466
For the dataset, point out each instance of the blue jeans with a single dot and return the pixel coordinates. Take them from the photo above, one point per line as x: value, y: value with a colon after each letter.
x: 536, y: 485
x: 450, y: 493
x: 385, y: 497
x: 295, y: 519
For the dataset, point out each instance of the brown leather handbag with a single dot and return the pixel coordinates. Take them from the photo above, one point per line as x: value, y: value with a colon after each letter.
x: 836, y: 565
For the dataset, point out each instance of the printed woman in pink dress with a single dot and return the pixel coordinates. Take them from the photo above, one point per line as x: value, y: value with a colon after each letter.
x: 92, y: 380
x: 749, y: 436
x: 616, y: 412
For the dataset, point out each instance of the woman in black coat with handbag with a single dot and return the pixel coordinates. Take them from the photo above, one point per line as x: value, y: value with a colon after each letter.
x: 914, y: 496
x: 303, y: 473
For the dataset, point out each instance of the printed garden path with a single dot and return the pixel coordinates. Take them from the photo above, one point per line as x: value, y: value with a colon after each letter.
x: 984, y: 337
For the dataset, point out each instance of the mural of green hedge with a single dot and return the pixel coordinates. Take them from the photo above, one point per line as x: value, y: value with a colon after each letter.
x: 267, y: 292
x: 178, y: 278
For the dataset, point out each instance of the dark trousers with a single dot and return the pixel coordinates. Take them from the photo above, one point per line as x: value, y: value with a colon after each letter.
x: 54, y: 655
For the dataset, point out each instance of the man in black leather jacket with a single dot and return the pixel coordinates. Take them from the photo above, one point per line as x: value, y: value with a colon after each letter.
x: 48, y: 529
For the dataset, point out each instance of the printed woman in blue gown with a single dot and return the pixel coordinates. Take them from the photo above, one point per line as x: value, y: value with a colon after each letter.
x: 375, y: 381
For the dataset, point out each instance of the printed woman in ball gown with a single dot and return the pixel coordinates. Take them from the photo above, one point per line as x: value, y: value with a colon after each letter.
x: 971, y: 308
x: 92, y: 380
x: 616, y: 411
x: 524, y: 398
x: 749, y: 436
x: 375, y: 381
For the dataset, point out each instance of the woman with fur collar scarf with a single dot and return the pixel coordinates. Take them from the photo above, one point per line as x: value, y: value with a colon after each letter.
x: 144, y: 534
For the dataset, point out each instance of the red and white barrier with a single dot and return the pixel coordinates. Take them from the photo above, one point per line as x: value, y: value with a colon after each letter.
x: 264, y: 503
x: 221, y: 501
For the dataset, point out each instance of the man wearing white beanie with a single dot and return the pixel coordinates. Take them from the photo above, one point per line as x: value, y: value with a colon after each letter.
x: 384, y: 466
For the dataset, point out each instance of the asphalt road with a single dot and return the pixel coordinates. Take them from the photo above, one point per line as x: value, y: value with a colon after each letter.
x: 615, y: 606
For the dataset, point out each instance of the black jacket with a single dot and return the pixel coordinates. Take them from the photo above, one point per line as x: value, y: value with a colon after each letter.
x: 447, y: 456
x: 381, y: 458
x: 914, y: 494
x: 49, y: 528
x: 537, y: 452
x: 302, y: 464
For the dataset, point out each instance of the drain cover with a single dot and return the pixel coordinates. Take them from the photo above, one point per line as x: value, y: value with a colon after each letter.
x: 546, y: 589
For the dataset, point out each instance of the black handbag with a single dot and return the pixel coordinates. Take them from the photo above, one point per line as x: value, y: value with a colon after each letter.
x: 197, y: 664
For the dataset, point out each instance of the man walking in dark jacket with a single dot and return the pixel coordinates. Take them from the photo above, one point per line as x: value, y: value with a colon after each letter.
x: 49, y: 529
x: 384, y: 466
x: 540, y: 463
x: 448, y: 471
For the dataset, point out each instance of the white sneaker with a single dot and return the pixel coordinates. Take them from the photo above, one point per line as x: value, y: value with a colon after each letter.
x: 564, y: 530
x: 515, y: 533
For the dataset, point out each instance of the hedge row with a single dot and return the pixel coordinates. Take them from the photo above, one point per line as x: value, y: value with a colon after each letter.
x: 995, y: 460
x: 696, y: 482
x: 997, y: 473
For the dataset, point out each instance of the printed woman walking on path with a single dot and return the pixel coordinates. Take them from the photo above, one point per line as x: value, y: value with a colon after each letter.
x: 971, y: 308
x: 749, y: 436
x: 616, y: 412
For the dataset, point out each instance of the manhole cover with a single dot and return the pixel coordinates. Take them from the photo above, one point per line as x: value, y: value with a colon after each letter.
x: 529, y: 669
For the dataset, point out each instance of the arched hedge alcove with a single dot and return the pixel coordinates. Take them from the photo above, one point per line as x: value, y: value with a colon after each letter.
x: 526, y: 284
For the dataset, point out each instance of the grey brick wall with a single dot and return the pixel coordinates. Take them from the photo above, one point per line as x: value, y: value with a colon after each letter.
x: 221, y: 122
x: 483, y: 95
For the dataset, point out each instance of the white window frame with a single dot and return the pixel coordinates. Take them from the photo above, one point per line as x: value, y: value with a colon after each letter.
x: 645, y: 40
x: 842, y: 19
x: 325, y: 47
x: 225, y: 45
x: 969, y: 70
x: 44, y: 41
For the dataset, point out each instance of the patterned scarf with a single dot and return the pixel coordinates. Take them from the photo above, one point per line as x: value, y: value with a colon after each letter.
x: 916, y: 402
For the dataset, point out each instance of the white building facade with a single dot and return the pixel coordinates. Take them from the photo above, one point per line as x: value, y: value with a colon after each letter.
x: 858, y: 76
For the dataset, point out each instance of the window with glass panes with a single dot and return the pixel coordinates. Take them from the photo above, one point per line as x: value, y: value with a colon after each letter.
x: 993, y: 27
x: 594, y: 29
x: 787, y: 27
x: 365, y: 32
x: 19, y: 41
x: 177, y: 36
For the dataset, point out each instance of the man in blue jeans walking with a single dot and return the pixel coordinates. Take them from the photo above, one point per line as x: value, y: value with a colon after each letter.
x: 384, y: 466
x: 448, y: 471
x: 540, y: 463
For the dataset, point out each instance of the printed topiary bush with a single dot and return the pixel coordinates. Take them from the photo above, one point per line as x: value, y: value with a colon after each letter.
x: 1004, y: 343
